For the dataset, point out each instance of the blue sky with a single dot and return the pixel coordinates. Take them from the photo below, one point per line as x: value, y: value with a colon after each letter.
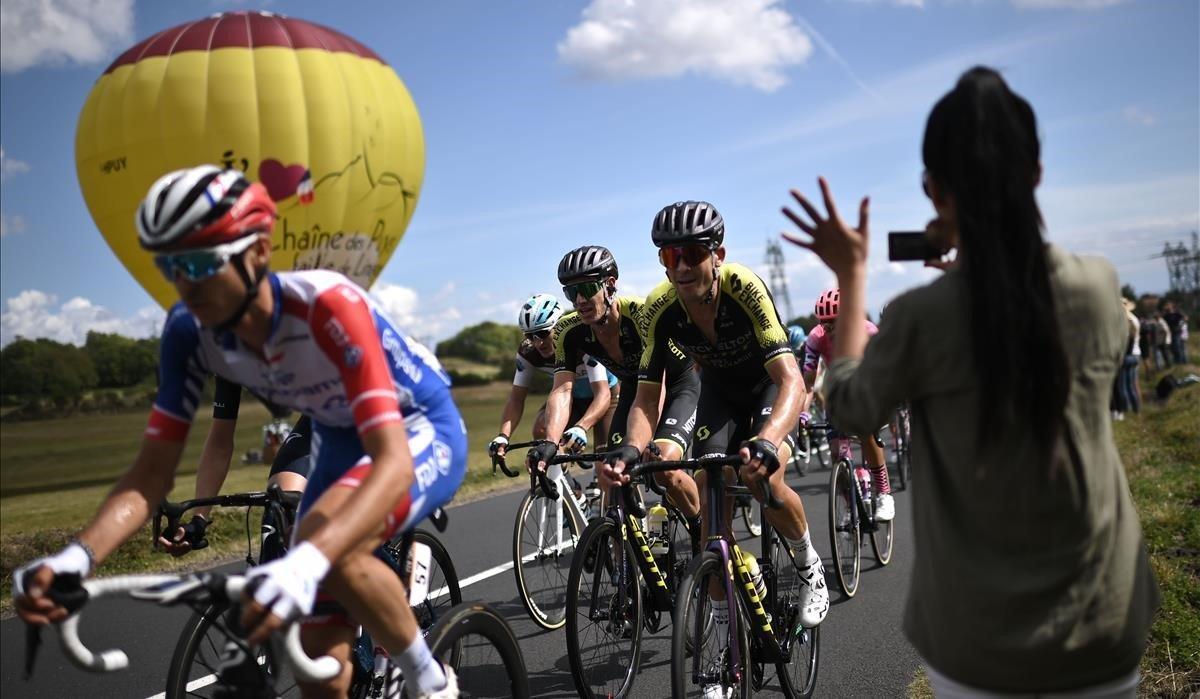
x: 550, y: 124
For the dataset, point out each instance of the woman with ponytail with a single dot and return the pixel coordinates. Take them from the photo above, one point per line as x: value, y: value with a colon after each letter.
x: 1030, y: 574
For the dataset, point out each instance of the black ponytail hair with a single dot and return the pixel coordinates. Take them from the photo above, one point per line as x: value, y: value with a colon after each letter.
x: 981, y: 146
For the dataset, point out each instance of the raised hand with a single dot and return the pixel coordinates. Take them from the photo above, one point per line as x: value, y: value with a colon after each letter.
x: 841, y: 247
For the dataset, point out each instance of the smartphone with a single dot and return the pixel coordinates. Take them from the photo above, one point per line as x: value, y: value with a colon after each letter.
x: 905, y: 246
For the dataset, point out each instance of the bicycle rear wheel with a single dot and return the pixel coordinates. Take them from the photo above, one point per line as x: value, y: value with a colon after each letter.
x: 882, y: 539
x: 604, y: 621
x: 701, y: 669
x: 542, y: 557
x: 487, y: 657
x: 845, y: 536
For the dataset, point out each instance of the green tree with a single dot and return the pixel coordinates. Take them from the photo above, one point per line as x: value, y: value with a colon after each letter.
x: 45, y: 369
x: 487, y: 342
x: 121, y: 361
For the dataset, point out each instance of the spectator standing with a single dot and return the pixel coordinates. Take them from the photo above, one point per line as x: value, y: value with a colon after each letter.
x: 1147, y: 335
x: 1162, y: 346
x: 1176, y: 320
x: 1127, y: 377
x: 1007, y: 361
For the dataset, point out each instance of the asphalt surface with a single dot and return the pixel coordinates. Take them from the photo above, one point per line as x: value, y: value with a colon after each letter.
x: 863, y: 652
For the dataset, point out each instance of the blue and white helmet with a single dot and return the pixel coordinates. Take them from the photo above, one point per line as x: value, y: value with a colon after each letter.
x: 540, y: 312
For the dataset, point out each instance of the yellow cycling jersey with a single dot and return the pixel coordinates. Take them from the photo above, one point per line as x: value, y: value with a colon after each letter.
x: 749, y: 331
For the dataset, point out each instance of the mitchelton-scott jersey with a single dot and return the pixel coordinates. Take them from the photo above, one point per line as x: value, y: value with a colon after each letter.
x: 749, y: 331
x: 573, y: 339
x: 330, y: 354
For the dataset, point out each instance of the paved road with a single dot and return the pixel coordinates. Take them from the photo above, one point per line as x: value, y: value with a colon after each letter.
x: 863, y: 653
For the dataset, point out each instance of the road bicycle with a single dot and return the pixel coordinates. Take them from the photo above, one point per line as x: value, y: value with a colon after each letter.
x: 622, y: 581
x: 901, y: 431
x: 851, y: 518
x: 427, y: 571
x: 763, y: 595
x: 545, y: 533
x: 469, y: 633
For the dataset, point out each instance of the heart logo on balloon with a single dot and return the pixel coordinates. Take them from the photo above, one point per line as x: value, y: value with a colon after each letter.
x: 281, y: 180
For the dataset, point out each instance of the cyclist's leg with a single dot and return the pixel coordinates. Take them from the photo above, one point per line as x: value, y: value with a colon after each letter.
x: 365, y: 586
x: 885, y: 509
x: 289, y: 471
x: 673, y: 435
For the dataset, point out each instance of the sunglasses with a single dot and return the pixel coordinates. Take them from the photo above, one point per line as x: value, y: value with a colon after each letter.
x: 198, y: 265
x: 585, y: 289
x: 693, y: 254
x: 538, y: 335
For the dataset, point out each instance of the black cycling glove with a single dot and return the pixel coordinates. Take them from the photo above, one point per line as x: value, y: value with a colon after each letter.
x: 627, y: 454
x: 765, y: 452
x: 544, y: 451
x: 193, y: 533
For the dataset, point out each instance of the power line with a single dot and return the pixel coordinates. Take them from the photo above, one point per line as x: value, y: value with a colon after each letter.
x: 778, y: 276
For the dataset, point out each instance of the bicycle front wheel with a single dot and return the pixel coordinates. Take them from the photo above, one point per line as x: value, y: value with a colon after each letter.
x: 488, y: 660
x: 844, y: 531
x: 604, y: 613
x: 544, y: 538
x: 882, y: 538
x: 198, y: 654
x: 797, y: 676
x: 702, y: 657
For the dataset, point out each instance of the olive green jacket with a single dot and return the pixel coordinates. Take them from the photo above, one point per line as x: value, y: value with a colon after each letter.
x: 1023, y: 579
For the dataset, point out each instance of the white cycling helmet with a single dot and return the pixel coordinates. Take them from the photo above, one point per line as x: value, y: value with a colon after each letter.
x: 540, y: 312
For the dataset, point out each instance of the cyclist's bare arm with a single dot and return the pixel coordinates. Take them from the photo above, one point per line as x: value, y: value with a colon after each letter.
x: 514, y: 408
x: 134, y: 498
x: 214, y: 461
x: 558, y: 405
x: 786, y: 409
x: 601, y: 396
x: 810, y: 379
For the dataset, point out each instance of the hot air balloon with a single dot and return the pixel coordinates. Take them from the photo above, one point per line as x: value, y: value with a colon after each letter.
x: 316, y: 117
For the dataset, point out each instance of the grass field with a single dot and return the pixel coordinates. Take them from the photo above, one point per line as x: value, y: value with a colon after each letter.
x: 56, y: 472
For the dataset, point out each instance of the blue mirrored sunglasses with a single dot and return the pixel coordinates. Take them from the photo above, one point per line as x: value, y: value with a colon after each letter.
x: 198, y: 265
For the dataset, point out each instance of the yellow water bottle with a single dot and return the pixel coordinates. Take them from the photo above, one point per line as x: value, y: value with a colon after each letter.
x: 656, y: 527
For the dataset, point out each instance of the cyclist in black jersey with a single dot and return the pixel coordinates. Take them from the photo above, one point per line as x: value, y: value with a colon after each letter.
x: 721, y: 315
x: 289, y: 470
x: 605, y: 326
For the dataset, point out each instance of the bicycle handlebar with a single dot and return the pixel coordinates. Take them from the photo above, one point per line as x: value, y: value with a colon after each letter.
x: 648, y: 467
x: 173, y: 512
x: 307, y: 669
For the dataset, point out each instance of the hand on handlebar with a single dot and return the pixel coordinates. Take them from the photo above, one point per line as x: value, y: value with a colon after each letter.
x: 574, y: 439
x: 760, y: 459
x: 190, y: 537
x: 32, y: 581
x: 498, y: 446
x: 281, y: 590
x: 612, y: 471
x: 539, y: 455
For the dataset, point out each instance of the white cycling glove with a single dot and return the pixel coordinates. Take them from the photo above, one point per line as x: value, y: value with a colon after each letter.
x: 499, y: 441
x: 73, y: 559
x: 574, y: 439
x: 287, y: 587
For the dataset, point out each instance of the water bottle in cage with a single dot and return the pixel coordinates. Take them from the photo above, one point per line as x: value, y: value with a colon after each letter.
x: 656, y: 530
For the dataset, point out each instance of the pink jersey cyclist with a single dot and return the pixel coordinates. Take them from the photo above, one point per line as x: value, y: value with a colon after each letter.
x: 819, y: 345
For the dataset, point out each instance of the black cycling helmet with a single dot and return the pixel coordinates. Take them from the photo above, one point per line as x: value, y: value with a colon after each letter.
x: 586, y: 263
x: 686, y: 222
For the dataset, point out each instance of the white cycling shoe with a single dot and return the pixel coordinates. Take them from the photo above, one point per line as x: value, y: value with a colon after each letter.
x: 716, y: 691
x: 885, y: 508
x: 814, y: 596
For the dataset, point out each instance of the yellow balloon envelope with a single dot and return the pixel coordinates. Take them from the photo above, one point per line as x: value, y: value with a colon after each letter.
x: 316, y: 117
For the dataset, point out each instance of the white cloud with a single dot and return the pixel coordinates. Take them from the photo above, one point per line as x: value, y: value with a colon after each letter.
x: 432, y: 319
x: 1065, y: 4
x: 11, y: 166
x: 11, y: 225
x: 36, y: 32
x: 748, y: 42
x: 35, y: 314
x: 1136, y: 115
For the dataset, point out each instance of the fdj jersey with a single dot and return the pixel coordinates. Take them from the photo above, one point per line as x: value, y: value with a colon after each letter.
x: 749, y: 331
x: 334, y: 356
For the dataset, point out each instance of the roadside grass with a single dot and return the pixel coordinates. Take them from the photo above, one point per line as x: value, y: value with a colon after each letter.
x: 56, y: 472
